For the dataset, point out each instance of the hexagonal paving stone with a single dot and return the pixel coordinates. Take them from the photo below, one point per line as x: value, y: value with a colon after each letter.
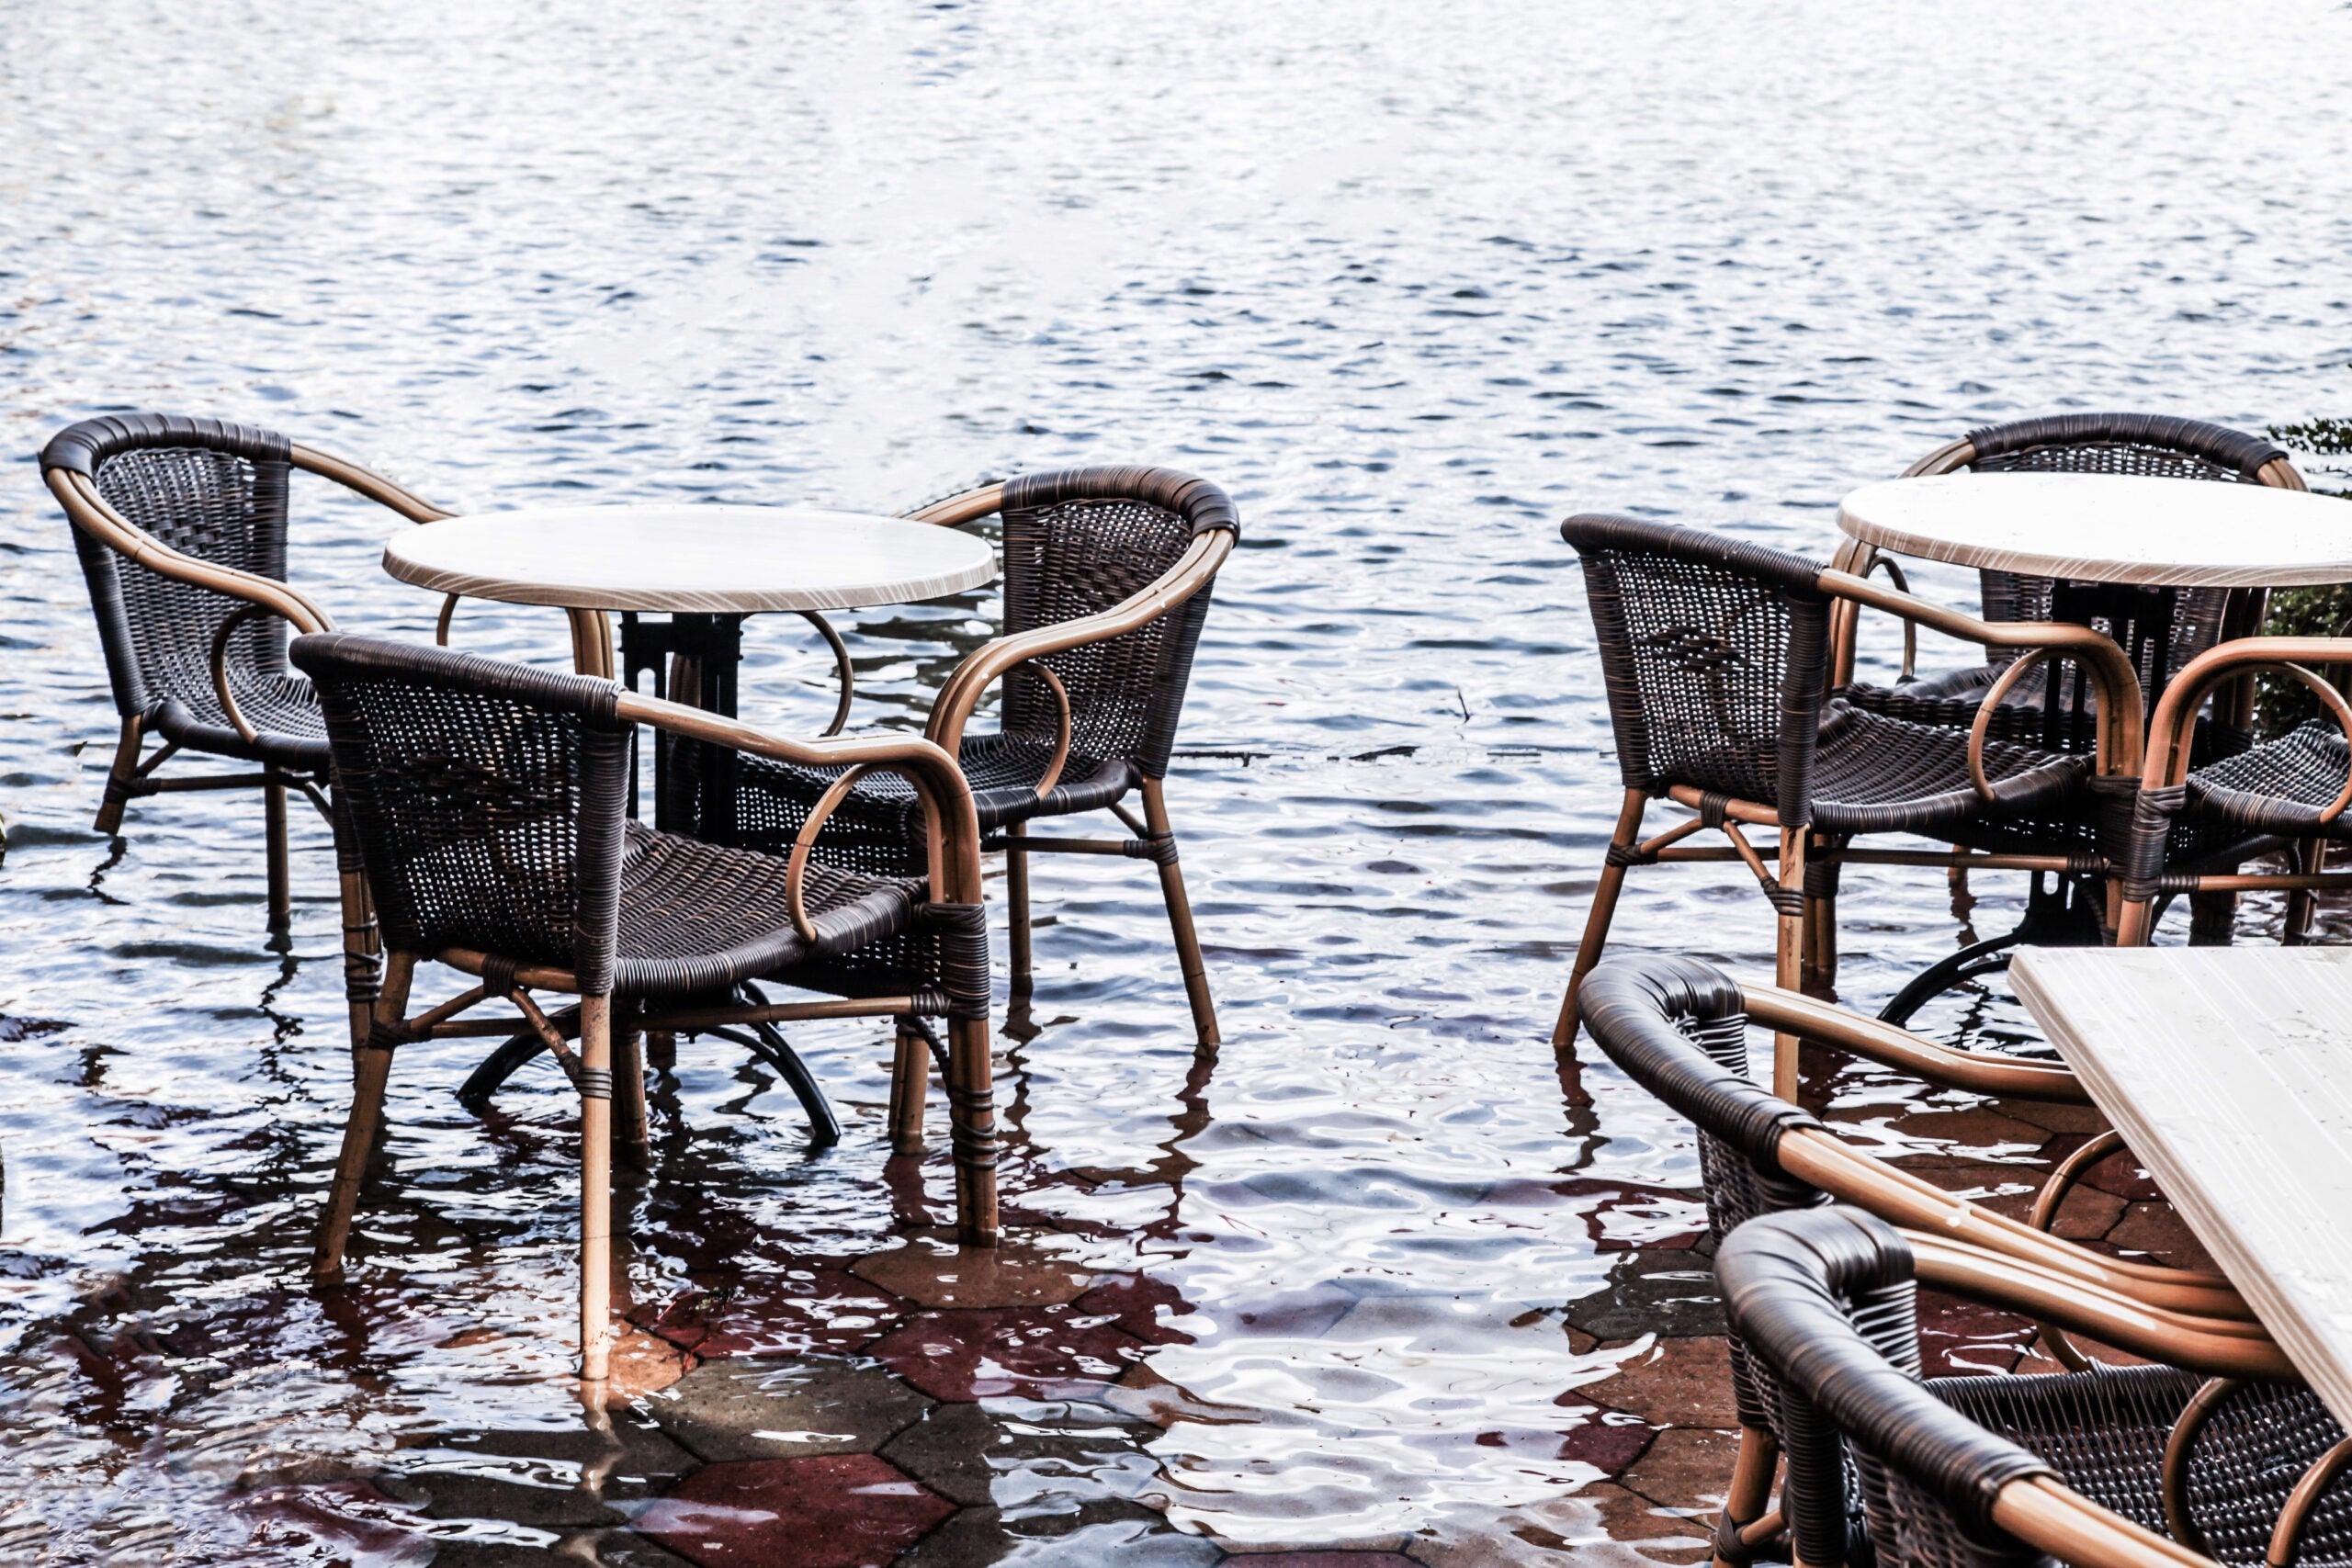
x: 931, y: 1270
x: 758, y: 1408
x: 1031, y: 1459
x: 829, y: 1511
x: 1026, y: 1352
x: 612, y: 1548
x: 817, y: 1307
x: 546, y: 1480
x: 1668, y: 1293
x: 1137, y: 1538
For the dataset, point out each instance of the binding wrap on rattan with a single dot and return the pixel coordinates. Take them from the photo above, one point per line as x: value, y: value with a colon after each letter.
x: 383, y: 1036
x: 1821, y: 876
x: 962, y: 932
x: 2152, y: 813
x: 1629, y: 855
x: 498, y: 973
x: 1797, y: 1286
x: 594, y: 1083
x: 972, y: 1128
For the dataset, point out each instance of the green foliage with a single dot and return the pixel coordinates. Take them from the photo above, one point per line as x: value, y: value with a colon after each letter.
x: 2282, y: 703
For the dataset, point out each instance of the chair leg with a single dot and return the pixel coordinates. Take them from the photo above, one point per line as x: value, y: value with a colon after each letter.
x: 1821, y: 919
x: 1603, y: 911
x: 630, y: 1130
x: 361, y: 946
x: 2302, y: 904
x: 371, y: 1069
x: 2214, y: 918
x: 1788, y: 969
x: 281, y: 871
x: 596, y: 1186
x: 1180, y: 915
x: 1751, y: 1487
x: 910, y: 1087
x: 971, y: 1106
x: 1016, y: 899
x: 119, y: 776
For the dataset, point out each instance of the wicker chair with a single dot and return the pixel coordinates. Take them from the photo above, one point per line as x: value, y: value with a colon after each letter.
x: 488, y: 804
x: 2134, y: 1465
x: 181, y: 526
x: 2291, y: 790
x: 1107, y: 576
x: 1679, y: 1028
x: 1715, y: 657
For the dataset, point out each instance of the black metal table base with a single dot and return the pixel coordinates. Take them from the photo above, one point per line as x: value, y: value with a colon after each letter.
x: 2064, y: 915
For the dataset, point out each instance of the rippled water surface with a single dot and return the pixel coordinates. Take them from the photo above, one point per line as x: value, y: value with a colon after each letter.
x: 1411, y: 281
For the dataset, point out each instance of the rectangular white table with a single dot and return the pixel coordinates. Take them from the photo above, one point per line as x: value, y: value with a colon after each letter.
x: 2229, y: 1072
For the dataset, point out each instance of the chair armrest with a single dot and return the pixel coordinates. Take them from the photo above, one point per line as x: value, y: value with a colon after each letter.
x: 227, y: 698
x: 2174, y: 728
x: 2007, y: 1076
x: 364, y: 482
x: 1192, y: 572
x: 2121, y: 733
x: 952, y: 822
x: 952, y: 511
x: 89, y: 512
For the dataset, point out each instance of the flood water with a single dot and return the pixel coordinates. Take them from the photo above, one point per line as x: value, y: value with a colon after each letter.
x: 1411, y: 281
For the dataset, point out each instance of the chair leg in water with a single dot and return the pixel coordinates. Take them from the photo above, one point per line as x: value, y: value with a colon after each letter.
x: 371, y: 1072
x: 596, y: 1186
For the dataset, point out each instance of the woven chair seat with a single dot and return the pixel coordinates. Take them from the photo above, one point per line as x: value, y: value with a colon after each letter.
x: 2104, y: 1431
x: 283, y: 710
x: 1949, y: 701
x: 2279, y: 788
x: 1874, y: 774
x: 694, y: 916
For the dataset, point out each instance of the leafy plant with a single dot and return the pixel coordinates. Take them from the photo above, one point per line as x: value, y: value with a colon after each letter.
x: 2282, y: 703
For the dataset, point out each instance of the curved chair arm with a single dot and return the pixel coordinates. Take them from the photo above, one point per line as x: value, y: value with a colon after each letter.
x: 227, y: 698
x: 367, y: 482
x: 1192, y: 572
x: 2173, y: 726
x: 2117, y: 682
x: 954, y: 511
x: 952, y: 822
x: 89, y: 512
x: 2013, y: 1078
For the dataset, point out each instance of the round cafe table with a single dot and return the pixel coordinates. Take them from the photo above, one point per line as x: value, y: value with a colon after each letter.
x: 2119, y: 548
x: 706, y: 568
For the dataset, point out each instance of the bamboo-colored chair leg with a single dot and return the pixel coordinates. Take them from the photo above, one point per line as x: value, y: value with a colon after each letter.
x: 1179, y: 916
x: 910, y: 1087
x: 971, y: 1106
x: 1016, y: 899
x: 118, y: 778
x: 596, y: 1186
x: 1603, y: 911
x: 1751, y: 1485
x: 361, y: 945
x: 1788, y: 970
x: 371, y: 1070
x: 2302, y: 904
x: 281, y: 870
x: 631, y: 1131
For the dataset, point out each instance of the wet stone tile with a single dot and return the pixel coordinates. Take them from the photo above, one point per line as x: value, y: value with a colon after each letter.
x: 1676, y: 1382
x: 608, y: 1548
x: 1148, y: 1308
x: 1599, y: 1526
x: 1609, y: 1440
x: 1685, y: 1468
x: 1022, y: 1352
x: 827, y: 1511
x: 1096, y: 1536
x: 756, y: 1408
x: 1022, y: 1270
x: 819, y: 1308
x: 2156, y: 1230
x: 1958, y: 1337
x: 1668, y: 1293
x: 543, y: 1480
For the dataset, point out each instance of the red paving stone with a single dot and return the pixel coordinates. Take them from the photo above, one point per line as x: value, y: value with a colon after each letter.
x: 1134, y: 1299
x: 836, y: 1511
x: 1960, y: 1339
x: 1012, y: 1351
x: 1607, y: 1440
x: 1327, y: 1560
x: 817, y: 1307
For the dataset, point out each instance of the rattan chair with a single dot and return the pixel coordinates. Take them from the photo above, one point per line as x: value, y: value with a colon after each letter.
x: 1107, y: 577
x: 1716, y: 658
x: 1679, y: 1028
x: 2290, y: 791
x: 2133, y: 1465
x: 488, y: 805
x: 181, y: 526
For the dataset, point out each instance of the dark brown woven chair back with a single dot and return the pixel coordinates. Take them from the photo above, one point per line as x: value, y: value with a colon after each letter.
x: 488, y: 799
x: 2157, y: 446
x: 208, y: 489
x: 1822, y: 1300
x: 1714, y: 653
x: 1076, y: 543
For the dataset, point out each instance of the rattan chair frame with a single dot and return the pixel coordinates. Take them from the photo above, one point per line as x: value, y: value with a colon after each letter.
x: 608, y: 1068
x: 1821, y: 1299
x: 1797, y: 898
x: 1216, y: 530
x: 1677, y: 1026
x: 2163, y: 795
x: 70, y: 467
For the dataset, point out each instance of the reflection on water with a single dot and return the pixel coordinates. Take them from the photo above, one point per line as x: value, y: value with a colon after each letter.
x: 1411, y: 282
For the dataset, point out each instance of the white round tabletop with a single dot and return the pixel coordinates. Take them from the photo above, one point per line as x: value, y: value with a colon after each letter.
x: 696, y: 559
x: 2110, y: 528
